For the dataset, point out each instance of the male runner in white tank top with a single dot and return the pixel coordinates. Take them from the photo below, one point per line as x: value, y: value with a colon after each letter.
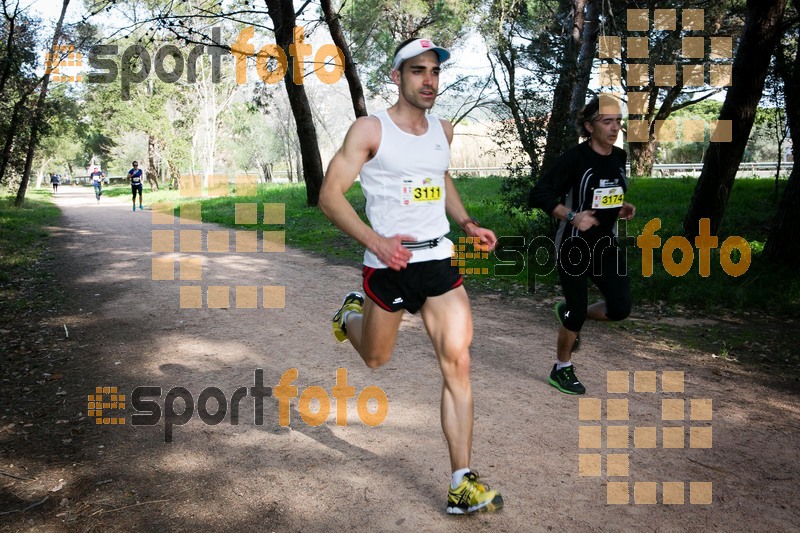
x: 402, y: 156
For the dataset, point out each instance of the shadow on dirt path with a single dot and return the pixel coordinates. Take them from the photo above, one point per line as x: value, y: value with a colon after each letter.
x: 718, y: 444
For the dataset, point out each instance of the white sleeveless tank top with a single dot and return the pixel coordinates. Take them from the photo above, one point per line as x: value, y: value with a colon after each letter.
x: 404, y: 188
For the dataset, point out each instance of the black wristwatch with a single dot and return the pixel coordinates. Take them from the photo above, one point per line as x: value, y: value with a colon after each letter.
x: 569, y: 217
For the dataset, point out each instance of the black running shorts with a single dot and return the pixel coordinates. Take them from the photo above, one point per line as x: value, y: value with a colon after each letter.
x: 136, y: 187
x: 409, y: 288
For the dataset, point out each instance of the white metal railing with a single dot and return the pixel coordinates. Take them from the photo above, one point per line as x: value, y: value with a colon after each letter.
x: 759, y: 169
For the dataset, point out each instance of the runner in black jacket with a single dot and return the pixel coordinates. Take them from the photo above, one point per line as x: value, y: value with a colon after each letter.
x: 585, y: 189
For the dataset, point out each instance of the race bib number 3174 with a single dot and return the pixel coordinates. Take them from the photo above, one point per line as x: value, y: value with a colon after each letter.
x: 607, y: 197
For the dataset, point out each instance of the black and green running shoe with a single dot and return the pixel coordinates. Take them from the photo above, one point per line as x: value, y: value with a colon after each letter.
x: 561, y: 310
x: 565, y: 380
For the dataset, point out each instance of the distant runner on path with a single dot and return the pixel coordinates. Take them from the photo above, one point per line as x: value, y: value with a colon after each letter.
x: 97, y: 181
x: 135, y: 176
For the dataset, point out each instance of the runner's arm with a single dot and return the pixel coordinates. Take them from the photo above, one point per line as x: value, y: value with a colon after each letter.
x: 359, y: 144
x: 455, y: 207
x: 551, y: 188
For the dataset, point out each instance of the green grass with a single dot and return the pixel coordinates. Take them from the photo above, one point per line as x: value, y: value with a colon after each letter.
x: 22, y: 233
x: 25, y: 279
x: 124, y: 191
x: 752, y: 203
x: 758, y: 297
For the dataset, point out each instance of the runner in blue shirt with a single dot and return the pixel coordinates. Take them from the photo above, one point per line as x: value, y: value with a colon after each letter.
x: 135, y: 175
x: 97, y: 180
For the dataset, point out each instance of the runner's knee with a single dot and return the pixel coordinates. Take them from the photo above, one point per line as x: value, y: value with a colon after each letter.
x: 618, y: 308
x: 377, y: 359
x: 575, y: 318
x: 455, y: 367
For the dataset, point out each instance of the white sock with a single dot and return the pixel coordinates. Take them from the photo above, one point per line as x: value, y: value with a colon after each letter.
x: 458, y: 476
x: 560, y: 365
x: 344, y: 317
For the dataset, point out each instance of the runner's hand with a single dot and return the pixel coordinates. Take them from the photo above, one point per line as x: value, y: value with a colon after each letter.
x: 486, y: 236
x: 392, y: 253
x: 627, y: 211
x: 585, y: 220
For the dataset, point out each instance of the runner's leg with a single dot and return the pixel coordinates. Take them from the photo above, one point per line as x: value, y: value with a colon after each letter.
x: 374, y: 333
x: 613, y: 283
x: 576, y: 296
x: 448, y: 320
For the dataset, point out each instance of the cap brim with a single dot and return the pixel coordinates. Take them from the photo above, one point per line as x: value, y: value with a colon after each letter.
x: 418, y: 47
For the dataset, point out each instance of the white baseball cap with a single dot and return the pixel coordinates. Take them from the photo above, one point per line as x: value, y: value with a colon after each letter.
x: 417, y: 47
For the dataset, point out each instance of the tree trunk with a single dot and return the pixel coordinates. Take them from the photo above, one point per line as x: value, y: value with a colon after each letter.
x: 591, y: 26
x: 40, y: 173
x: 13, y: 127
x: 509, y: 62
x: 265, y: 169
x: 783, y: 242
x: 152, y: 172
x: 642, y: 158
x: 560, y: 133
x: 283, y: 18
x: 174, y: 175
x: 10, y: 49
x: 37, y: 117
x: 761, y: 33
x: 298, y: 158
x: 350, y: 72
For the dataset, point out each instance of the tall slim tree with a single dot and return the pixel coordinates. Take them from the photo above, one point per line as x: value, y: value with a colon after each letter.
x: 38, y: 112
x: 10, y: 48
x: 783, y: 243
x: 18, y: 82
x: 350, y: 72
x: 560, y: 133
x: 591, y: 30
x: 283, y: 18
x: 762, y: 32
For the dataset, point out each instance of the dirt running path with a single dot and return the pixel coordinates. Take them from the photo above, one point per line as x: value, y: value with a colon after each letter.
x: 127, y: 330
